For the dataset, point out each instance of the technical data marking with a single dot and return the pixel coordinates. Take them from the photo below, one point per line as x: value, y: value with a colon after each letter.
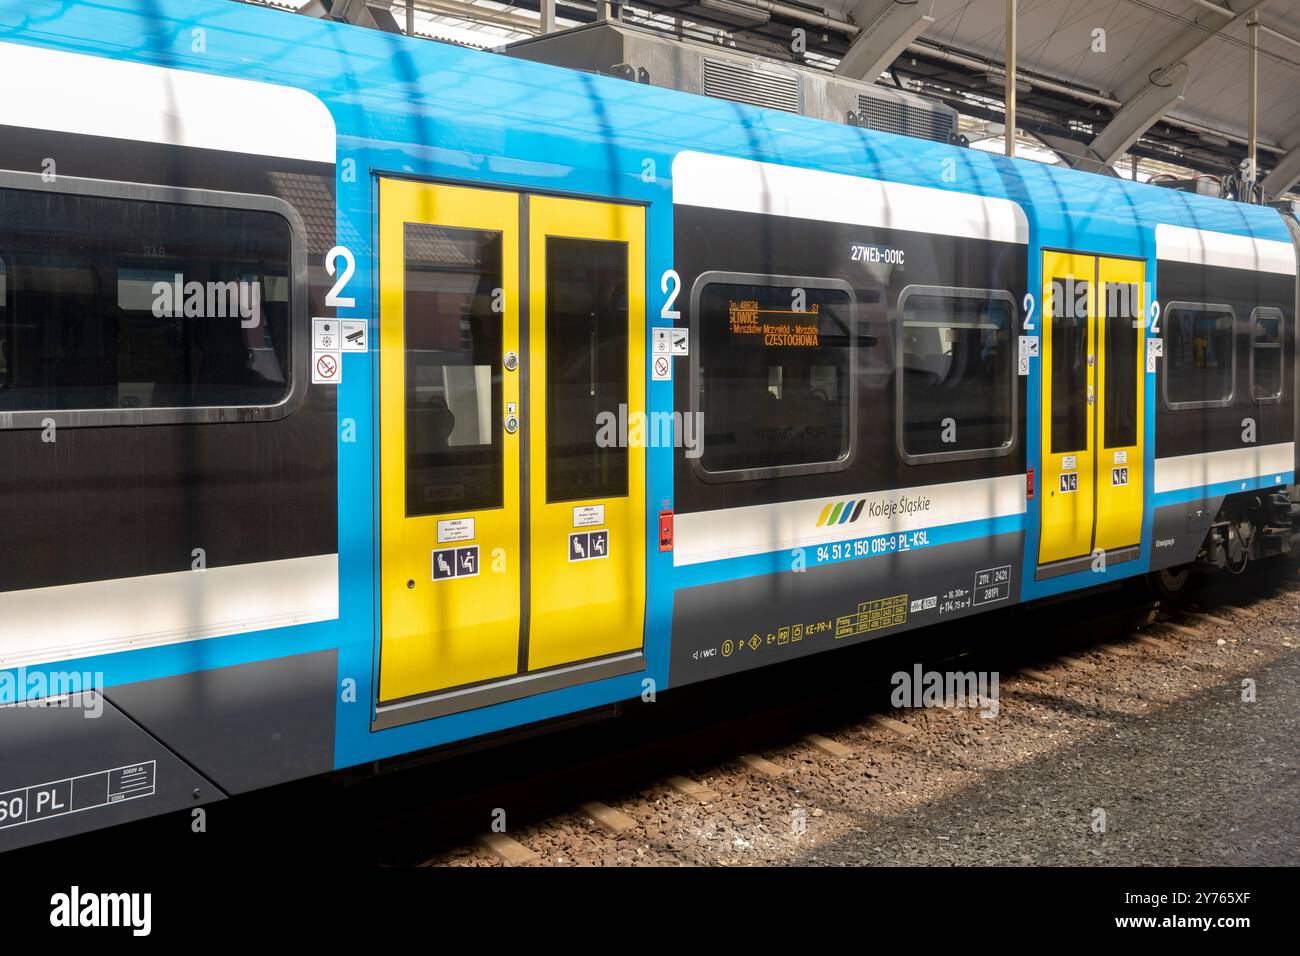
x: 953, y: 600
x: 992, y: 585
x: 75, y: 794
x: 588, y: 545
x: 872, y: 616
x: 448, y: 563
x: 867, y: 547
x: 781, y: 635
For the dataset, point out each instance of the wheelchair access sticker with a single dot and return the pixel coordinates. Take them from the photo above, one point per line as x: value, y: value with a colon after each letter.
x: 588, y: 545
x: 451, y: 563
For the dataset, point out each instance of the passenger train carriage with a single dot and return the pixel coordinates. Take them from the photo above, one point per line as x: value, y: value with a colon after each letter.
x: 361, y: 395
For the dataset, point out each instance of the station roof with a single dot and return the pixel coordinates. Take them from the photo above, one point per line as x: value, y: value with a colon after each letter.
x: 1057, y: 41
x: 1164, y: 80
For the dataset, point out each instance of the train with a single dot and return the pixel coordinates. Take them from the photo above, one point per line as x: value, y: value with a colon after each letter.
x: 362, y: 395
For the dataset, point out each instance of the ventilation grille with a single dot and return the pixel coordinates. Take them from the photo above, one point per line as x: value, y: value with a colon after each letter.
x: 891, y: 116
x: 734, y: 81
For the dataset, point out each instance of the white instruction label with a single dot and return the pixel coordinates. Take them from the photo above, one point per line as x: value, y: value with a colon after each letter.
x: 455, y: 529
x: 588, y: 516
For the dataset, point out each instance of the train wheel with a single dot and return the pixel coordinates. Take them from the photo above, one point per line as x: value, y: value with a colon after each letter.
x: 1170, y: 582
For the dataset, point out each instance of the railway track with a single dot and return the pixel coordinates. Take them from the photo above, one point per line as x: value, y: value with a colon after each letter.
x: 768, y: 767
x: 758, y: 784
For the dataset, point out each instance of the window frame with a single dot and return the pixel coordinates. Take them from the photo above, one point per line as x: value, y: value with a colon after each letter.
x: 299, y: 307
x: 842, y: 463
x: 969, y: 454
x: 1165, y: 321
x: 1271, y: 311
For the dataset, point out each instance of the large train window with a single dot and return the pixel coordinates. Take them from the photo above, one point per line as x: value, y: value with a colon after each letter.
x: 1200, y: 371
x: 453, y: 369
x: 773, y: 366
x: 139, y: 305
x: 1266, y: 355
x: 956, y: 379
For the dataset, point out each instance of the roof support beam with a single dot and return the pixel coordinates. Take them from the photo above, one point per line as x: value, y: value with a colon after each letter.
x: 1158, y: 84
x: 1284, y: 175
x: 1135, y: 117
x: 357, y: 12
x: 1073, y: 153
x: 886, y: 28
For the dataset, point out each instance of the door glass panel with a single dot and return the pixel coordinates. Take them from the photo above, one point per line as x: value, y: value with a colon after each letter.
x: 1069, y: 365
x: 586, y: 366
x: 453, y: 369
x: 1121, y: 364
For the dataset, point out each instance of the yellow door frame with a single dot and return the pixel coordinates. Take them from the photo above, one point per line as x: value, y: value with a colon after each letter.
x: 527, y: 608
x: 1120, y: 484
x: 1066, y: 510
x: 443, y: 633
x: 585, y: 609
x: 1092, y: 497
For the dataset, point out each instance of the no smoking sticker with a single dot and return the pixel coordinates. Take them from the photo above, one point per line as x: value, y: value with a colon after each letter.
x: 661, y: 369
x: 326, y: 368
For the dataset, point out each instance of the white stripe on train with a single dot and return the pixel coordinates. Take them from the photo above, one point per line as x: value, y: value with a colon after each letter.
x: 745, y: 185
x: 760, y: 529
x: 1205, y: 248
x: 101, y: 617
x: 96, y: 96
x: 1216, y: 467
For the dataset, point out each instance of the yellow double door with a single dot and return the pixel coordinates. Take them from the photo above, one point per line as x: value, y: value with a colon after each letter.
x: 1093, y: 407
x: 512, y: 527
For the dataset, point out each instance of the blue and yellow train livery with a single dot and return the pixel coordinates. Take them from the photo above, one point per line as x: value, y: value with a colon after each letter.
x: 361, y: 395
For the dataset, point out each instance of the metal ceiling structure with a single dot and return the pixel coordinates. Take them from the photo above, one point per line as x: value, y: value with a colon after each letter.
x: 1096, y: 80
